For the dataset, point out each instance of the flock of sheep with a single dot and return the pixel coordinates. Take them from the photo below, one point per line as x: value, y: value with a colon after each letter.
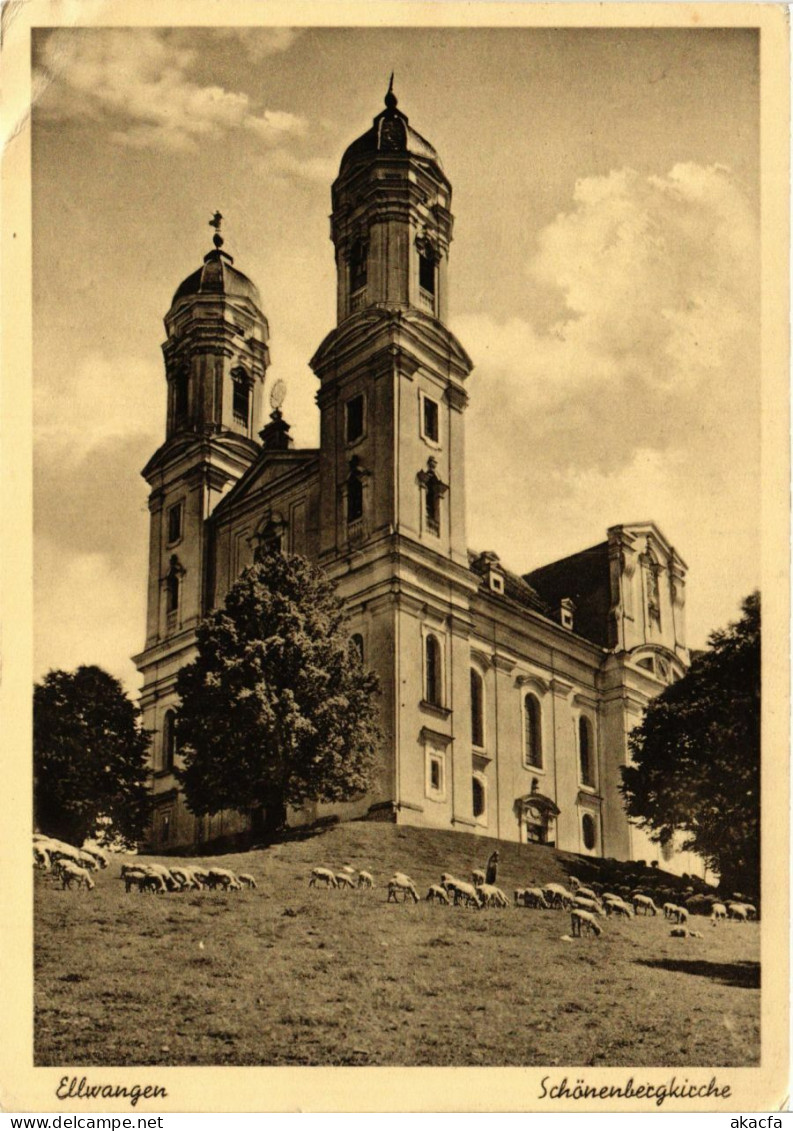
x: 586, y: 905
x: 73, y: 867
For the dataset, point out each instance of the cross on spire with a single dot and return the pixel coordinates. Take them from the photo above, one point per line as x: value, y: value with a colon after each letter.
x: 215, y: 223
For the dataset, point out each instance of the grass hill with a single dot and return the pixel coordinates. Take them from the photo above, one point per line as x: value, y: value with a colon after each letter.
x: 288, y: 974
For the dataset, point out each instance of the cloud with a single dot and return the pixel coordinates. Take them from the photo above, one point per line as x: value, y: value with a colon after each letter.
x: 642, y: 401
x: 258, y: 43
x: 139, y: 78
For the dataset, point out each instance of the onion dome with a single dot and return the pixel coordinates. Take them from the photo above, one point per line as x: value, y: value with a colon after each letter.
x: 218, y: 276
x: 390, y: 135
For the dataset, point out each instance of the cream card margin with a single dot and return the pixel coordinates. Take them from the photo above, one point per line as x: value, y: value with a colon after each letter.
x: 26, y: 1088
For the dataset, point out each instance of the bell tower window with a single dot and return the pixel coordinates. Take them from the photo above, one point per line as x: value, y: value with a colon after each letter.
x: 427, y: 271
x: 358, y: 259
x: 241, y: 399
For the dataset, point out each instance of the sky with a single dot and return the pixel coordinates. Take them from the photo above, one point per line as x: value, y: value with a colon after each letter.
x: 604, y: 278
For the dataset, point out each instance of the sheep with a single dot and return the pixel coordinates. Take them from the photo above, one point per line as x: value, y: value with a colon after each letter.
x: 324, y: 876
x: 344, y: 880
x: 41, y: 857
x: 669, y: 909
x: 437, y: 894
x: 583, y: 904
x: 617, y: 906
x: 98, y: 853
x: 645, y: 902
x: 155, y: 881
x: 143, y: 880
x: 224, y: 878
x: 403, y: 878
x: 492, y: 896
x: 73, y: 873
x: 465, y: 893
x: 168, y: 882
x: 477, y: 877
x: 530, y: 897
x: 679, y: 914
x: 737, y: 911
x: 684, y: 933
x: 558, y: 896
x: 365, y: 880
x: 583, y: 919
x: 586, y: 893
x: 59, y: 851
x: 448, y: 881
x: 718, y: 911
x: 574, y: 883
x: 400, y: 883
x: 247, y: 880
x: 185, y: 877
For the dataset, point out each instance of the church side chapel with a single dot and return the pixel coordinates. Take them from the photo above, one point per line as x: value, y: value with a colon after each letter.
x: 507, y: 700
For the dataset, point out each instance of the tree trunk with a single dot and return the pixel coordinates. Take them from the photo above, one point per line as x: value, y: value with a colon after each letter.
x: 274, y: 817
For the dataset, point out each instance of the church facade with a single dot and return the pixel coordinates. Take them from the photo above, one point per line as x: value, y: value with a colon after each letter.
x: 507, y: 700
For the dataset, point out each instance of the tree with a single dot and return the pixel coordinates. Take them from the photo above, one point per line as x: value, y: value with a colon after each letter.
x: 277, y: 708
x: 697, y: 756
x: 90, y: 757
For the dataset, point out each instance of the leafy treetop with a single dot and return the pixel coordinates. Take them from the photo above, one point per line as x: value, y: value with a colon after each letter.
x: 696, y: 756
x: 89, y: 757
x: 277, y: 708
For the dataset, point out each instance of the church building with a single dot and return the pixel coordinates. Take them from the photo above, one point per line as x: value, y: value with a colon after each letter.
x: 506, y: 700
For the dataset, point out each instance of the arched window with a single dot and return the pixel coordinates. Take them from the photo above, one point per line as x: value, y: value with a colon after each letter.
x: 270, y: 540
x: 586, y: 753
x: 589, y: 831
x: 165, y: 827
x: 357, y: 642
x: 168, y: 739
x: 427, y: 269
x: 432, y: 669
x: 477, y: 709
x: 241, y: 398
x: 354, y: 492
x: 479, y: 797
x: 532, y: 732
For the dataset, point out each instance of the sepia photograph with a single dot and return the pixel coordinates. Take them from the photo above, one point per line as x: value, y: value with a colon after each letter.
x: 408, y: 471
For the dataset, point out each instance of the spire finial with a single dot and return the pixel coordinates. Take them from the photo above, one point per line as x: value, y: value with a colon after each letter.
x: 215, y: 223
x: 391, y: 98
